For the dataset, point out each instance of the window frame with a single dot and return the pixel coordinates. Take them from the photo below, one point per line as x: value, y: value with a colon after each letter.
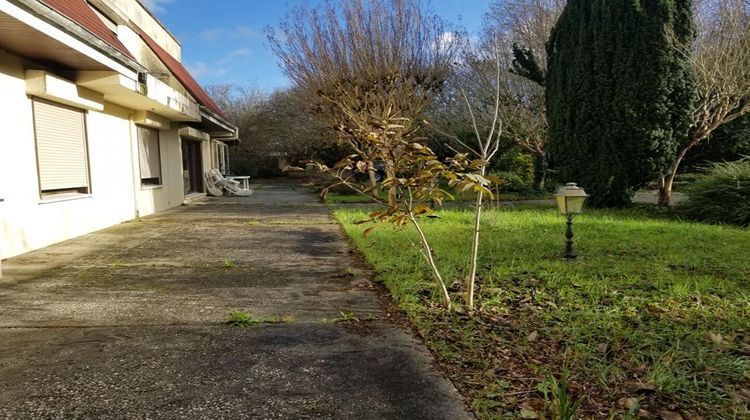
x: 148, y: 182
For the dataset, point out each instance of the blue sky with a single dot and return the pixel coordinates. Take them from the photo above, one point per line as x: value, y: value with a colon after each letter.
x: 224, y: 41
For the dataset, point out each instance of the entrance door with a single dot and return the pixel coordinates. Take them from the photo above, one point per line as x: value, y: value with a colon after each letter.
x: 192, y: 166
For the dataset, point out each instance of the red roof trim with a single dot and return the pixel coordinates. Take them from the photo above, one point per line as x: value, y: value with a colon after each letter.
x: 180, y: 72
x: 81, y: 13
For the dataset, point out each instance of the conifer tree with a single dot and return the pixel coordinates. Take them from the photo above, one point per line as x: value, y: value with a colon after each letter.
x: 619, y: 96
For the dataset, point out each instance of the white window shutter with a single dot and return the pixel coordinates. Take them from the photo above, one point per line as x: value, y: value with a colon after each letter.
x: 61, y: 146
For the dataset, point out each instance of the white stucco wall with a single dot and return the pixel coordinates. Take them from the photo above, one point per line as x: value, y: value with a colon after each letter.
x: 170, y: 193
x: 28, y: 222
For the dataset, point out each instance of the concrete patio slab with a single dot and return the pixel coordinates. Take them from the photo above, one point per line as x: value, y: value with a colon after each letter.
x: 127, y: 322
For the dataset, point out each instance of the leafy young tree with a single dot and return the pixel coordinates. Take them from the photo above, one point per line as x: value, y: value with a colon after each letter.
x: 619, y: 97
x: 365, y: 62
x: 720, y: 59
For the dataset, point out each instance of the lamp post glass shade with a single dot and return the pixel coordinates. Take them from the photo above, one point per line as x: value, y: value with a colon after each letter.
x: 570, y: 199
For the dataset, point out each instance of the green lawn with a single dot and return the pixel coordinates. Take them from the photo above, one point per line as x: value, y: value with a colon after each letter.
x: 655, y: 310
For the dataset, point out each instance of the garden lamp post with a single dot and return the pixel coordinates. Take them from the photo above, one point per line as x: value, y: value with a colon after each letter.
x: 570, y: 200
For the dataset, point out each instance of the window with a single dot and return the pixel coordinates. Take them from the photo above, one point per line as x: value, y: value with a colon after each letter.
x: 62, y: 155
x: 150, y: 158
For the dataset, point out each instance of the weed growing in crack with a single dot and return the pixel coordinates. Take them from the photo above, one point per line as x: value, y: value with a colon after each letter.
x: 240, y: 319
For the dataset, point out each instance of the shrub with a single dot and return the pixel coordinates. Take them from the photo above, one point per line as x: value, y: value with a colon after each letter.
x: 721, y: 194
x: 512, y: 182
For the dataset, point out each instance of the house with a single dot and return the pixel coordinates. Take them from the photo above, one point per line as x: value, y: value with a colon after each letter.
x: 101, y: 122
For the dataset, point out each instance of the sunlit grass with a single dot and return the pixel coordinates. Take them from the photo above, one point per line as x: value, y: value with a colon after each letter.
x: 650, y: 299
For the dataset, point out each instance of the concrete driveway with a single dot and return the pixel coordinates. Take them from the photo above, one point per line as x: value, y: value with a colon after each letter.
x: 127, y: 322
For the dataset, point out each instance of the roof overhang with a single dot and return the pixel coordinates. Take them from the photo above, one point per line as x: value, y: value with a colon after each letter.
x: 57, y: 41
x: 218, y: 127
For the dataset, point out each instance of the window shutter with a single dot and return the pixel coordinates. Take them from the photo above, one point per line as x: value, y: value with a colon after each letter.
x: 61, y: 146
x: 148, y: 151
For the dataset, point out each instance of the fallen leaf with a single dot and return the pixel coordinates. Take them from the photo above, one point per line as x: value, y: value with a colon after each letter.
x: 533, y: 336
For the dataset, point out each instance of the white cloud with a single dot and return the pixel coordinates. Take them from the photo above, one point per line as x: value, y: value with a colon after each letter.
x: 220, y: 67
x: 242, y: 31
x: 157, y: 6
x: 239, y: 53
x: 210, y: 35
x: 238, y: 32
x: 197, y: 69
x: 200, y: 69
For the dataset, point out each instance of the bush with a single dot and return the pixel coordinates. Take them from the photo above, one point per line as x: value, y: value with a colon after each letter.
x: 512, y: 182
x: 721, y: 194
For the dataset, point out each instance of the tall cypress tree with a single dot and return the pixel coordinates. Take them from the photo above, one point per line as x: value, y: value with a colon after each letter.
x: 619, y: 95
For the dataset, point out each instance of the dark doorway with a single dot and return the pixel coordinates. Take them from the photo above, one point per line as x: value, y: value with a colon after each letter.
x: 192, y: 166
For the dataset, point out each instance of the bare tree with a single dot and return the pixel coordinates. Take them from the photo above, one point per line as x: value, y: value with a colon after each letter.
x: 238, y: 102
x: 370, y: 68
x: 486, y: 140
x: 523, y: 27
x: 273, y: 128
x: 720, y: 58
x: 527, y: 24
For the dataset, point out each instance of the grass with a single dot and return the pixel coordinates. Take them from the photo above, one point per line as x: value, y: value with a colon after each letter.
x: 241, y: 319
x: 244, y: 319
x: 654, y: 311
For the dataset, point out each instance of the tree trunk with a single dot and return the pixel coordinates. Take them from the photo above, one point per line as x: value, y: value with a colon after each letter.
x: 427, y: 254
x: 540, y: 174
x: 471, y: 279
x: 390, y: 175
x: 373, y: 180
x: 665, y: 190
x: 667, y: 181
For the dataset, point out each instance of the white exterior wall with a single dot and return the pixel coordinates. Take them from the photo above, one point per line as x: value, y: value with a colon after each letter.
x: 170, y: 193
x: 28, y: 222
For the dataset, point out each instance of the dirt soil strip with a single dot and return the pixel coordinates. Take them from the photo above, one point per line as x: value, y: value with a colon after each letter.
x: 127, y: 322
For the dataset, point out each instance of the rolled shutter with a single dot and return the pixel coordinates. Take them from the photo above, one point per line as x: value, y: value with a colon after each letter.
x: 148, y: 149
x: 61, y: 146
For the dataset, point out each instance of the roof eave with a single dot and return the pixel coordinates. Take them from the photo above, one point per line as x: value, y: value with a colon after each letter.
x: 231, y: 130
x: 62, y: 22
